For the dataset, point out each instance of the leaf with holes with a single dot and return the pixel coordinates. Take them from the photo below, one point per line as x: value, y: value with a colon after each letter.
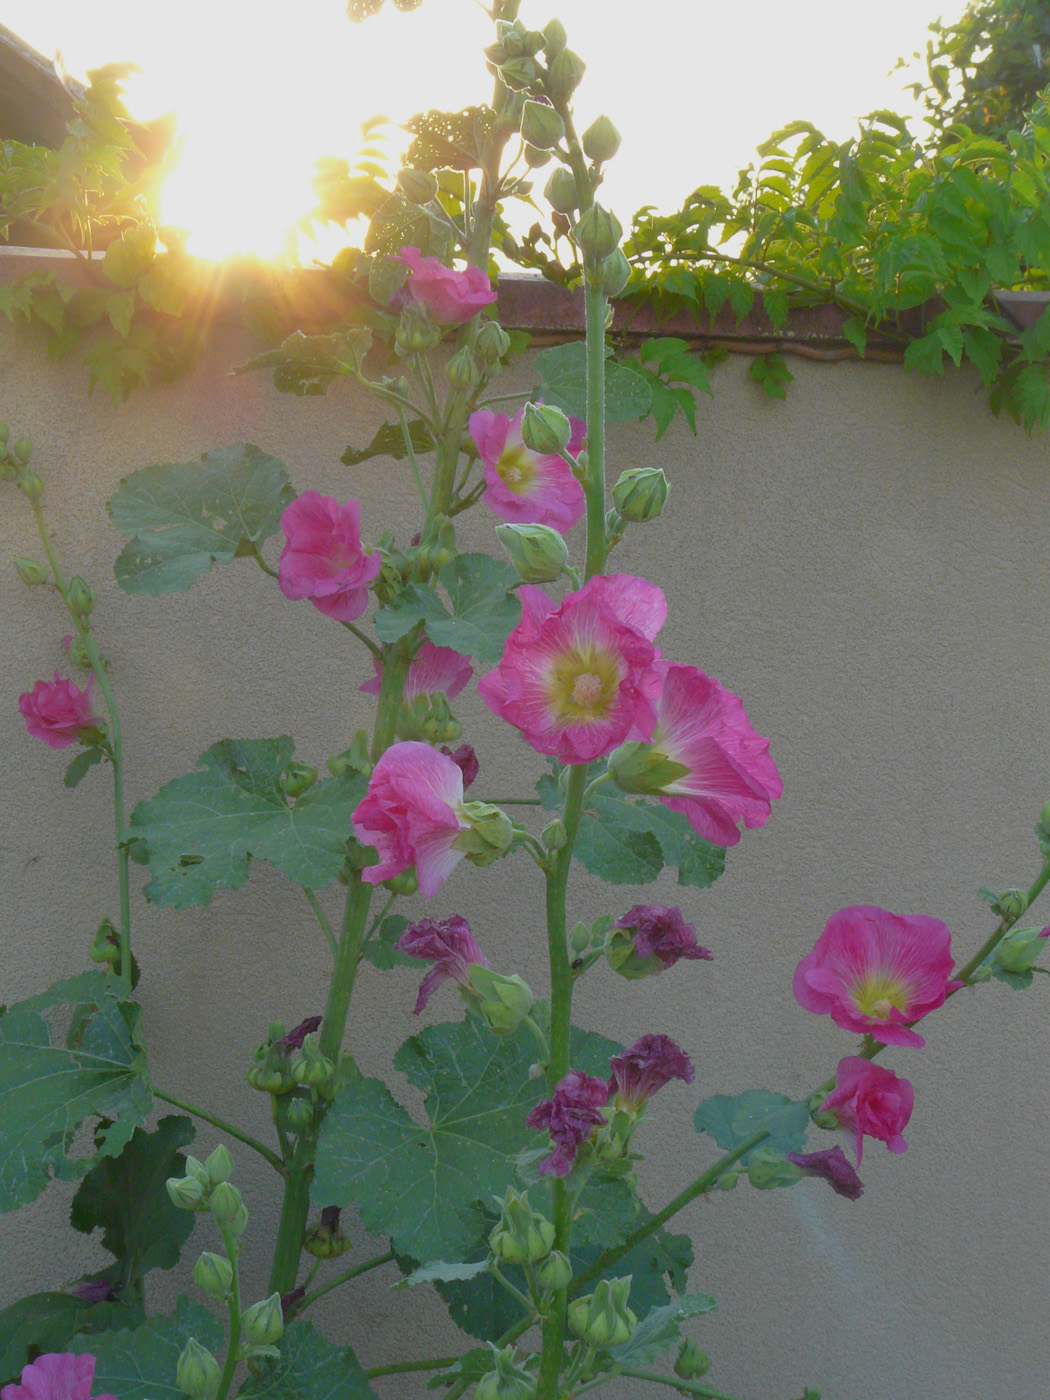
x: 449, y: 140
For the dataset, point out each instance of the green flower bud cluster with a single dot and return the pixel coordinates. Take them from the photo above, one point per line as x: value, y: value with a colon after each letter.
x: 429, y: 718
x: 207, y: 1187
x: 325, y: 1238
x: 503, y: 1000
x: 277, y: 1071
x: 507, y: 1380
x: 522, y: 1235
x: 312, y: 1069
x: 602, y: 1318
x: 436, y: 549
x: 538, y: 553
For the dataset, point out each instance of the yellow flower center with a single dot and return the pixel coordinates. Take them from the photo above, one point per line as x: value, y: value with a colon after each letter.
x: 878, y: 996
x: 583, y: 684
x: 587, y: 689
x: 516, y: 468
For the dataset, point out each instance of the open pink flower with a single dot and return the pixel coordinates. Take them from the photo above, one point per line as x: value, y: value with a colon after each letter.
x: 413, y: 814
x: 453, y: 297
x: 873, y: 971
x: 323, y: 559
x: 579, y: 679
x: 433, y: 668
x: 450, y: 945
x: 731, y: 777
x: 644, y: 1069
x: 834, y: 1167
x: 522, y: 486
x: 58, y: 711
x: 570, y: 1117
x: 870, y: 1101
x: 55, y: 1376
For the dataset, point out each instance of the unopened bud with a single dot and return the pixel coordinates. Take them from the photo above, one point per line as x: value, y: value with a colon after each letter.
x: 537, y: 552
x: 214, y: 1274
x: 417, y: 185
x: 519, y: 74
x: 492, y: 343
x: 603, y: 1318
x: 643, y: 768
x: 506, y: 1381
x: 535, y: 158
x: 555, y: 1272
x: 691, y: 1363
x: 504, y: 1001
x: 597, y: 232
x: 522, y: 1235
x: 80, y: 597
x: 197, y: 1372
x: 554, y: 835
x: 541, y: 126
x: 299, y: 1114
x: 566, y: 73
x: 601, y: 140
x: 417, y: 331
x: 219, y: 1165
x: 224, y: 1202
x: 405, y: 883
x: 105, y: 946
x: 981, y: 974
x: 545, y: 429
x: 766, y: 1171
x: 31, y: 486
x: 239, y: 1223
x: 462, y: 370
x: 580, y: 939
x: 1019, y: 951
x: 21, y: 450
x: 489, y: 835
x: 312, y: 1068
x: 263, y: 1323
x: 185, y: 1192
x: 640, y: 494
x: 727, y: 1180
x: 554, y: 38
x: 1012, y: 904
x: 29, y: 571
x: 560, y: 191
x: 615, y: 273
x: 298, y: 778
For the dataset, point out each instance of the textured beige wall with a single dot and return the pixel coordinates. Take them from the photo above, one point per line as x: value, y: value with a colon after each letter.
x: 866, y: 565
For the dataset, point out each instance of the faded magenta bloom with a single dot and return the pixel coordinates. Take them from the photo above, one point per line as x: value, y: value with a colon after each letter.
x: 660, y: 932
x: 873, y: 971
x: 522, y: 486
x: 466, y: 760
x: 58, y: 711
x: 433, y: 668
x: 580, y: 679
x: 834, y: 1167
x: 644, y: 1069
x: 731, y: 777
x: 55, y: 1376
x: 570, y: 1117
x: 295, y: 1039
x: 412, y: 814
x: 453, y: 297
x: 450, y: 945
x: 323, y: 559
x: 870, y: 1101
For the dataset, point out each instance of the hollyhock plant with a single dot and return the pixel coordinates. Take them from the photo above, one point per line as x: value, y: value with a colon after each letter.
x: 448, y: 943
x: 323, y: 559
x: 870, y: 1101
x: 55, y: 1376
x: 453, y: 297
x: 579, y: 679
x: 58, y: 711
x: 466, y: 760
x: 650, y: 938
x: 644, y: 1069
x: 433, y: 668
x: 834, y: 1167
x: 522, y: 486
x: 873, y: 972
x: 570, y: 1117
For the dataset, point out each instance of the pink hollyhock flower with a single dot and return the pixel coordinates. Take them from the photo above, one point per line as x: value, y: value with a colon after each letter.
x: 453, y: 297
x: 570, y: 1117
x: 644, y: 1069
x: 295, y: 1039
x: 432, y: 669
x: 55, y: 1376
x: 465, y: 759
x: 58, y: 711
x: 449, y: 945
x: 660, y: 932
x: 870, y: 1101
x: 731, y: 777
x: 522, y: 486
x: 579, y: 679
x: 413, y: 815
x: 873, y: 972
x: 834, y: 1167
x: 324, y: 559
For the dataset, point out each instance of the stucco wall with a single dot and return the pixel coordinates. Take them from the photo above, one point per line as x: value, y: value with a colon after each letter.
x: 866, y: 565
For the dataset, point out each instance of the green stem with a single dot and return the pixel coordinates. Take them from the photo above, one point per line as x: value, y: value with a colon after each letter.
x: 345, y: 1277
x: 675, y: 1382
x: 295, y: 1208
x: 397, y: 1368
x: 223, y: 1126
x: 407, y: 436
x: 515, y: 1293
x: 363, y: 637
x: 595, y: 303
x: 257, y: 556
x: 233, y: 1341
x: 322, y: 919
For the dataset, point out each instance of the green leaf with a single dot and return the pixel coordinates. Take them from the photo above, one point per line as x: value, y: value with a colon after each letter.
x: 182, y: 517
x: 449, y: 140
x: 389, y: 441
x: 659, y: 1329
x: 731, y: 1121
x: 414, y: 604
x: 47, y: 1322
x: 382, y: 951
x: 485, y: 610
x: 201, y: 830
x: 140, y: 1365
x: 397, y: 224
x: 1017, y: 980
x: 309, y: 1368
x: 772, y: 373
x: 563, y: 383
x: 440, y: 1272
x: 47, y: 1090
x: 126, y: 1198
x: 80, y: 765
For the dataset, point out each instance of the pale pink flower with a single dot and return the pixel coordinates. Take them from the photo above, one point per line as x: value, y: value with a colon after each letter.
x: 324, y: 559
x: 522, y: 486
x: 570, y: 1117
x: 55, y: 1376
x: 413, y: 815
x: 870, y: 1101
x: 873, y: 972
x: 834, y: 1167
x: 731, y: 777
x: 644, y: 1069
x: 58, y: 711
x: 433, y: 668
x: 580, y: 679
x: 450, y: 945
x: 453, y: 297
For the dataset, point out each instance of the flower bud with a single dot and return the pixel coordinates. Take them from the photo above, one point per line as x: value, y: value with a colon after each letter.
x: 615, y: 273
x: 601, y: 140
x: 224, y: 1202
x: 219, y: 1165
x: 198, y: 1171
x: 580, y: 939
x: 643, y: 768
x: 1019, y: 950
x: 263, y: 1322
x: 325, y: 1238
x: 30, y: 572
x: 312, y: 1069
x: 492, y: 343
x: 489, y: 834
x: 31, y: 486
x: 555, y: 1272
x: 197, y: 1372
x: 560, y: 191
x: 186, y: 1193
x: 1012, y: 904
x: 545, y: 429
x: 462, y: 370
x: 239, y: 1223
x: 298, y: 778
x: 624, y: 958
x: 522, y: 1235
x: 504, y: 1002
x: 640, y: 494
x: 603, y: 1318
x: 1044, y: 817
x: 541, y: 126
x: 537, y: 552
x: 766, y: 1171
x: 404, y: 884
x: 554, y: 38
x: 105, y: 946
x: 554, y: 835
x: 355, y: 758
x: 21, y: 451
x: 519, y: 74
x: 981, y: 974
x: 80, y: 597
x: 535, y: 158
x: 597, y: 232
x: 507, y: 1381
x: 727, y: 1181
x: 417, y: 331
x: 417, y: 185
x: 691, y: 1363
x: 214, y: 1275
x: 566, y: 73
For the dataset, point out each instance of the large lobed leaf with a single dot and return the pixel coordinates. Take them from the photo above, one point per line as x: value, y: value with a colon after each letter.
x: 482, y: 612
x: 732, y: 1120
x: 309, y: 1368
x: 563, y: 383
x: 140, y: 1365
x: 45, y: 1322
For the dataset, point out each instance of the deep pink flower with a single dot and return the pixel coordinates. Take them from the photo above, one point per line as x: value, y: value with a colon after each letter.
x: 579, y: 679
x: 413, y: 815
x: 650, y: 1063
x: 55, y: 1376
x: 660, y: 932
x: 834, y: 1167
x: 465, y: 759
x: 570, y: 1117
x: 453, y: 297
x: 870, y: 1101
x: 522, y: 486
x: 731, y: 777
x: 873, y: 971
x: 432, y: 669
x: 58, y: 711
x: 323, y: 559
x: 450, y: 945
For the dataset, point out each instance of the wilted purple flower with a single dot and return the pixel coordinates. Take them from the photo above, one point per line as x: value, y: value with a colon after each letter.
x: 94, y: 1290
x: 293, y: 1041
x: 647, y: 1066
x: 449, y: 945
x: 570, y: 1117
x: 834, y: 1166
x: 330, y: 1217
x: 660, y: 936
x: 466, y: 760
x: 290, y: 1302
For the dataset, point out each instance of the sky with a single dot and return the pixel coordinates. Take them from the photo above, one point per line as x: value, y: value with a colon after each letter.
x: 264, y: 88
